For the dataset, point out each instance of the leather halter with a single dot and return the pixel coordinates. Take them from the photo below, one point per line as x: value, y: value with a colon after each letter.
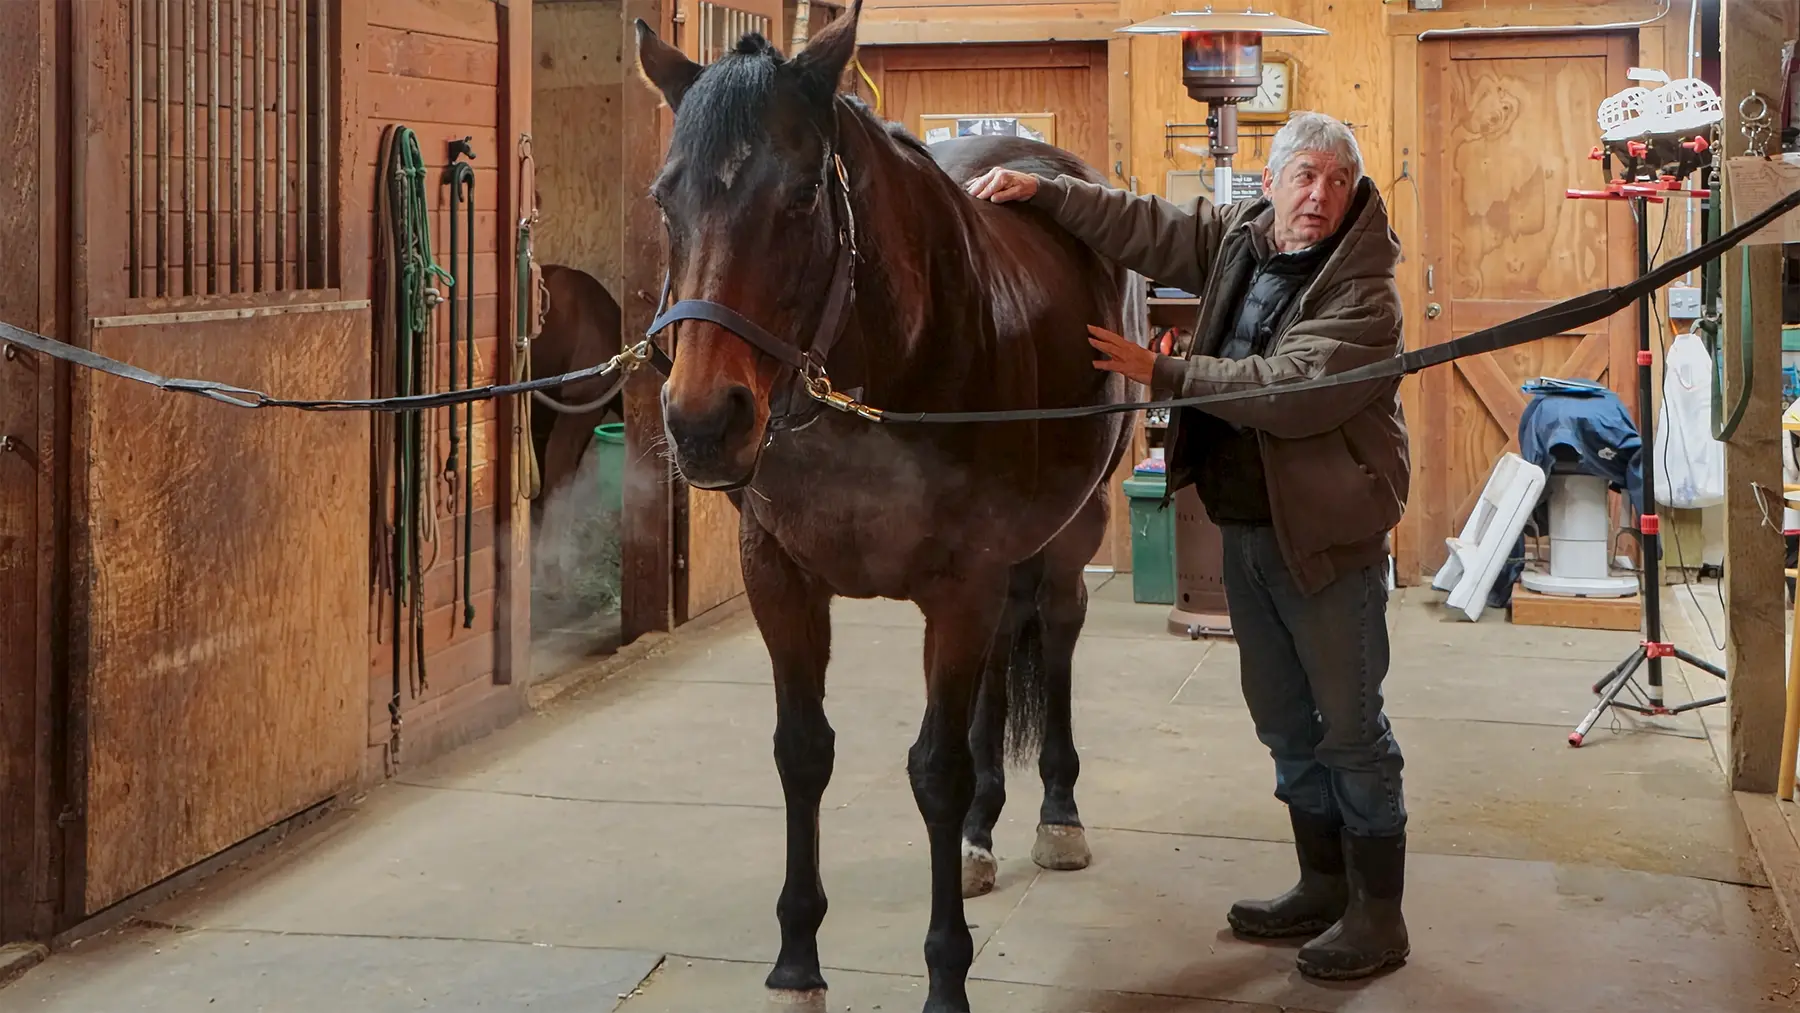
x: 810, y: 387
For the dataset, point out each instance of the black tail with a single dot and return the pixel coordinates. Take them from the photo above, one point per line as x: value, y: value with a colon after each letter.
x: 1022, y: 637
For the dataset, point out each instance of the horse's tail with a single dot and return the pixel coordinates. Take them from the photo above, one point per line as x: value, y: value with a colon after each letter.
x: 1027, y: 692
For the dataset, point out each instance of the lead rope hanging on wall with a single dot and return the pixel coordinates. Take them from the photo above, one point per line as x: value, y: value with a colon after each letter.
x: 531, y: 303
x: 461, y: 177
x: 404, y: 508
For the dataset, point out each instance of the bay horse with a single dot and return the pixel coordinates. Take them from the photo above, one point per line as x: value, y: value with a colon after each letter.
x: 582, y: 325
x: 810, y: 242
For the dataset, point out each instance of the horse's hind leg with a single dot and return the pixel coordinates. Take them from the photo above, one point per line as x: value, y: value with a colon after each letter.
x: 1062, y: 603
x: 987, y: 736
x: 959, y: 635
x: 794, y: 615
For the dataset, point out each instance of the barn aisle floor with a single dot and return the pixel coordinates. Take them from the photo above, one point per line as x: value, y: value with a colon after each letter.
x: 623, y: 849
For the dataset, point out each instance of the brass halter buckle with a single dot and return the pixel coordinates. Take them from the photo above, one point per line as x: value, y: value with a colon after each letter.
x: 818, y: 387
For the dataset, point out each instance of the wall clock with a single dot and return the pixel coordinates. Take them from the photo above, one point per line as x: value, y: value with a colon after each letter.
x: 1275, y: 97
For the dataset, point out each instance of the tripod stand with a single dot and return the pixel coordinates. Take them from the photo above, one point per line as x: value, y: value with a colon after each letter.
x: 1653, y: 649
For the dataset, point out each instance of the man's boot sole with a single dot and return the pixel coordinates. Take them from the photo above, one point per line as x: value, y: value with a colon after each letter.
x: 1309, y: 929
x: 1391, y: 958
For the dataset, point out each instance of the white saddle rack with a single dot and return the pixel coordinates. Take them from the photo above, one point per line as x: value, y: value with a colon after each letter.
x: 1478, y: 553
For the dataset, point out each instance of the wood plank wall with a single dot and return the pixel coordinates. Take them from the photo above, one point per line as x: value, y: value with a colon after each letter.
x: 437, y: 67
x: 577, y: 72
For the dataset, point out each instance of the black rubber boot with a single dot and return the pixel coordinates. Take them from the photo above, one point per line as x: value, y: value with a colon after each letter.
x: 1316, y: 901
x: 1372, y: 934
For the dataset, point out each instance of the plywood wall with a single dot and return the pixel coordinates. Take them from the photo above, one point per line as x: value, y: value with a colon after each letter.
x: 577, y: 73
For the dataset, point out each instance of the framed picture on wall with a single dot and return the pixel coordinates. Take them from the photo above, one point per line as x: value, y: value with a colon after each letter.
x: 935, y: 127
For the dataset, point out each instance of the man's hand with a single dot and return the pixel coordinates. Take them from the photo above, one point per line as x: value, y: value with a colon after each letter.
x: 1135, y: 362
x: 1001, y: 185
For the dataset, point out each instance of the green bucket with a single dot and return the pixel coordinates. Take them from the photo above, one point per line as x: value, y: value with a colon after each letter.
x: 609, y: 453
x: 1152, y: 540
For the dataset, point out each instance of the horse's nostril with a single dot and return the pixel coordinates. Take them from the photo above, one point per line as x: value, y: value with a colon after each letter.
x: 740, y: 408
x: 709, y: 431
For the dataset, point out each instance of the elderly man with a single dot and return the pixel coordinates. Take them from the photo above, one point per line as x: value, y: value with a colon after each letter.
x: 1304, y: 487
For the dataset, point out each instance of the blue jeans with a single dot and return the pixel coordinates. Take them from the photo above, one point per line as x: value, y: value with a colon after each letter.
x: 1311, y: 668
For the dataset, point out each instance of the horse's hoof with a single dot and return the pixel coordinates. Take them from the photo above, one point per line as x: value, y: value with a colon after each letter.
x: 978, y: 870
x: 1061, y: 848
x: 788, y: 1000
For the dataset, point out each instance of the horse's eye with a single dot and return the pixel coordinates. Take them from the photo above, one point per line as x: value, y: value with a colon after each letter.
x: 805, y: 197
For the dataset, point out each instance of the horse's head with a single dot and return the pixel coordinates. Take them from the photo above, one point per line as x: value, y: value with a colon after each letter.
x: 751, y: 206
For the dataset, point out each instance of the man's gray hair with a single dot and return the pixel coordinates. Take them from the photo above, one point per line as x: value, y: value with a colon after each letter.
x: 1309, y: 131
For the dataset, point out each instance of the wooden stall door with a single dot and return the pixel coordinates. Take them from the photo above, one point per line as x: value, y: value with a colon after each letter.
x: 221, y: 553
x: 1507, y: 125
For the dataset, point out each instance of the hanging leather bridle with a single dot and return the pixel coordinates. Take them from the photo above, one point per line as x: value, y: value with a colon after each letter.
x: 809, y: 385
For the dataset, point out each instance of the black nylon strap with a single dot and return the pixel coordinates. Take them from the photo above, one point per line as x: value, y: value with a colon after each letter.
x: 1557, y: 319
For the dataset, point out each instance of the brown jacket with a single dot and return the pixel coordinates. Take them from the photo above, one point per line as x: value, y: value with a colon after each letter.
x: 1335, y: 459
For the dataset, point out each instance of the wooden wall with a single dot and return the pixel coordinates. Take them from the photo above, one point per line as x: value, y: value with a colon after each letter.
x: 948, y: 21
x: 440, y: 67
x: 577, y: 71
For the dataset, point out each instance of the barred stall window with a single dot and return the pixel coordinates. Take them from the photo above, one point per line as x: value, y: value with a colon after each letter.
x: 232, y: 127
x: 721, y: 27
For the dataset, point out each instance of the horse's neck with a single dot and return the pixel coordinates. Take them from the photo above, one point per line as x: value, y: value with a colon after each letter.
x: 914, y: 237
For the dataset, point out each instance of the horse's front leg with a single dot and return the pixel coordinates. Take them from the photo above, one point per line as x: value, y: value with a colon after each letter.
x: 959, y: 631
x: 794, y: 614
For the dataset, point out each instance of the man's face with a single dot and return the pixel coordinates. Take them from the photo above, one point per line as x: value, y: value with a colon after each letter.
x: 1310, y: 197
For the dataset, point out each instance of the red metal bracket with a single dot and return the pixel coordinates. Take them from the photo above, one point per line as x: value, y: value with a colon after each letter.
x: 1655, y: 650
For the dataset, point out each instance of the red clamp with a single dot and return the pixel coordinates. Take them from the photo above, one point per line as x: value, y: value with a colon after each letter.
x: 1656, y: 650
x: 1698, y: 145
x: 1648, y: 524
x: 1637, y: 149
x: 1596, y: 153
x: 1643, y: 358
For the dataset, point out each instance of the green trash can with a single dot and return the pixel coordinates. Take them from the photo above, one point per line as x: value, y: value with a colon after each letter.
x: 1152, y: 540
x: 609, y: 454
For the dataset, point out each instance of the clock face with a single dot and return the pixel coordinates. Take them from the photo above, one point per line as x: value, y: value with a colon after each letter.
x: 1273, y: 96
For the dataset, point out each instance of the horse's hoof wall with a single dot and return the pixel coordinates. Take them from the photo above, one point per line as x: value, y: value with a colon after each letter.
x: 789, y: 1000
x: 1061, y: 848
x: 978, y: 870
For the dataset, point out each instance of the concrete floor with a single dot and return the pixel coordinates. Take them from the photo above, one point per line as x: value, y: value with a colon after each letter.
x: 623, y: 850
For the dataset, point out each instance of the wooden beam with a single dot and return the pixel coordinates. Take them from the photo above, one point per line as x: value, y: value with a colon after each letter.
x: 647, y: 584
x: 24, y: 472
x: 1401, y: 22
x: 942, y: 30
x: 512, y: 642
x: 1751, y: 32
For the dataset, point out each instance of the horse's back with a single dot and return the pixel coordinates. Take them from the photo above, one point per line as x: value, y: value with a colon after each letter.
x: 964, y: 158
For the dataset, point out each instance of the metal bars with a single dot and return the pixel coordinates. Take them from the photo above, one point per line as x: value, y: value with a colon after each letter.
x: 721, y: 27
x: 241, y: 167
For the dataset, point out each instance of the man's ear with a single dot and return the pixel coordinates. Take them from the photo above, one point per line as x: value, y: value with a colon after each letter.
x: 821, y: 64
x: 666, y: 68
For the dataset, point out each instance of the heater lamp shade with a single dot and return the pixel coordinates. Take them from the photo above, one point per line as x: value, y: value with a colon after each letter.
x: 1208, y: 20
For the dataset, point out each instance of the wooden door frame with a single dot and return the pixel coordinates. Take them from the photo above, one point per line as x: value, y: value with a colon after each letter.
x: 32, y: 670
x: 1417, y: 67
x: 649, y: 532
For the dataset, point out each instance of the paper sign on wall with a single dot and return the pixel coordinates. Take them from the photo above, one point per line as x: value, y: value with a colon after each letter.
x: 1754, y: 184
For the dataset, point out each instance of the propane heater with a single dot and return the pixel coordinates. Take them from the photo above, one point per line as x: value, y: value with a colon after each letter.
x: 1221, y: 65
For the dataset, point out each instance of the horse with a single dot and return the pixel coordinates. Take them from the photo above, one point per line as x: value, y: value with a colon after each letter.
x: 582, y: 326
x: 810, y: 243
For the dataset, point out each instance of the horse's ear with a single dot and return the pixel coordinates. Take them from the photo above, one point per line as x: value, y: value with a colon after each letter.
x: 666, y: 68
x: 821, y: 64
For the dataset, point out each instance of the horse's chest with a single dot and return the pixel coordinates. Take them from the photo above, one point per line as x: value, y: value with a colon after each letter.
x: 866, y: 514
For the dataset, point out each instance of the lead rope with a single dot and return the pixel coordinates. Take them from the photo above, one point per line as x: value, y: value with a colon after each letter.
x: 461, y: 177
x: 532, y: 303
x: 403, y: 512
